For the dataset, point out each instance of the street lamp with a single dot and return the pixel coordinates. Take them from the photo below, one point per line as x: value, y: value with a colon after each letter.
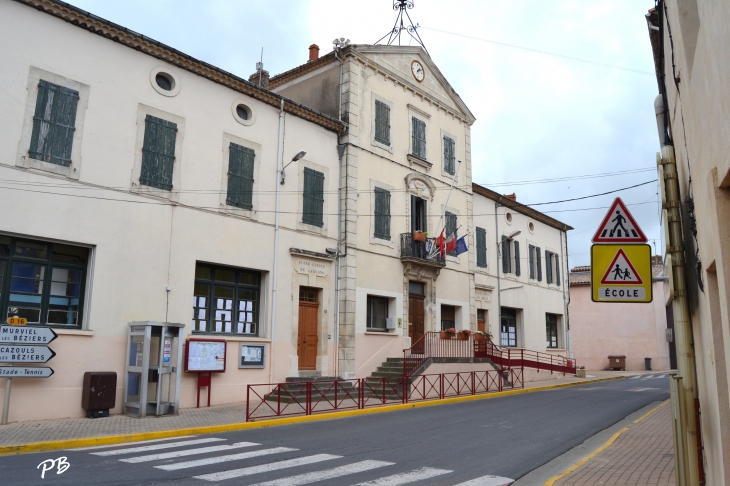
x: 294, y: 159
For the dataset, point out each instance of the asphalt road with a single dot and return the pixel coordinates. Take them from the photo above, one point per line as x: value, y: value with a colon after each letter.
x: 456, y: 444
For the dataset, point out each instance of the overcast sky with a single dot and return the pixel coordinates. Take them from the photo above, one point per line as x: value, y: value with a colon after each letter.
x: 539, y: 116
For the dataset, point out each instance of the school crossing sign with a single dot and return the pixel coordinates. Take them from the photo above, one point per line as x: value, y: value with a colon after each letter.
x: 620, y: 259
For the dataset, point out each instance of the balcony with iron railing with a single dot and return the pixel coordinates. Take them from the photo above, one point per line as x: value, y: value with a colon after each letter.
x: 414, y: 251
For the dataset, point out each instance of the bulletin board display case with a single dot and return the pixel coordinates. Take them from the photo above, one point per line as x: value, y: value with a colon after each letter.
x: 251, y: 355
x: 205, y: 355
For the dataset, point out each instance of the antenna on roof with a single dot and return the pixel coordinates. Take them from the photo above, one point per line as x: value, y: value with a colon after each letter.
x: 260, y: 65
x: 402, y: 6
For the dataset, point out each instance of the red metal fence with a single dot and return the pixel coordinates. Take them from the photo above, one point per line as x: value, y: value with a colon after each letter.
x: 307, y: 398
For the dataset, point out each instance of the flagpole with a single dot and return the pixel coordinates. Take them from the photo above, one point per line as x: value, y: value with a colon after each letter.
x: 443, y: 213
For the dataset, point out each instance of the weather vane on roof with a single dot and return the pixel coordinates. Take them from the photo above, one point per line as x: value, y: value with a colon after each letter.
x: 402, y: 7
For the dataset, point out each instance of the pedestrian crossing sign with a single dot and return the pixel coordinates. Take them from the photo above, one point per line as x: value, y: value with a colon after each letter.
x: 621, y: 273
x: 619, y: 226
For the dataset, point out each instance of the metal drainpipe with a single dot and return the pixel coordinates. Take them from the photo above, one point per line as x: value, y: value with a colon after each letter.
x: 566, y: 285
x: 279, y: 163
x: 499, y: 292
x: 340, y: 151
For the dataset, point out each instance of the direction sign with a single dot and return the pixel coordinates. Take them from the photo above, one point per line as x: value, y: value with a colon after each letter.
x: 25, y: 372
x: 26, y: 335
x: 619, y: 226
x: 621, y: 273
x: 11, y: 353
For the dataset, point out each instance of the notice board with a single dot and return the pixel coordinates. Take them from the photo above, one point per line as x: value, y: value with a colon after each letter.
x: 205, y: 355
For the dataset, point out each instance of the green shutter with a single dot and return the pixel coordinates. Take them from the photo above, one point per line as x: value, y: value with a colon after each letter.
x: 481, y: 248
x: 158, y: 153
x: 240, y: 176
x: 517, y: 258
x: 548, y: 267
x: 382, y: 123
x: 313, y: 197
x: 382, y: 214
x: 449, y: 156
x: 450, y: 228
x: 419, y: 138
x: 557, y: 270
x: 54, y: 124
x: 531, y: 257
x: 539, y: 263
x: 505, y: 255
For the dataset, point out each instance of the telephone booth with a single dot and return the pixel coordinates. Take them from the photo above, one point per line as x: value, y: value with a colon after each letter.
x: 154, y: 364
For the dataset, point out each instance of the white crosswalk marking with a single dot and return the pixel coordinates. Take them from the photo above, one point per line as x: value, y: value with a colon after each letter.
x: 406, y: 477
x: 635, y: 377
x: 488, y: 481
x: 131, y: 450
x: 188, y: 452
x: 336, y: 472
x: 129, y: 443
x: 272, y: 466
x: 647, y: 377
x: 217, y: 460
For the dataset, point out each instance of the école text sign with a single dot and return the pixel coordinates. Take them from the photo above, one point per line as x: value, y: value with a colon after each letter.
x: 25, y: 372
x: 11, y: 353
x: 26, y: 335
x: 621, y: 273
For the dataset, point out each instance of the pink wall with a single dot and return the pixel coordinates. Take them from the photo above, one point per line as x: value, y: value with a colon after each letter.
x: 602, y: 329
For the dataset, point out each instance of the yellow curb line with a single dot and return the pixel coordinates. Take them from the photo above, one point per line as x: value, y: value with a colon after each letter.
x: 212, y: 429
x: 610, y: 441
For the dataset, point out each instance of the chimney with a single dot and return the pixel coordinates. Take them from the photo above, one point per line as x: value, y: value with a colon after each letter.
x: 512, y: 196
x: 313, y: 52
x: 263, y: 82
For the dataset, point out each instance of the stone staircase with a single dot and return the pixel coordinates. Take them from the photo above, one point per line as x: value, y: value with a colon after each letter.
x: 294, y: 389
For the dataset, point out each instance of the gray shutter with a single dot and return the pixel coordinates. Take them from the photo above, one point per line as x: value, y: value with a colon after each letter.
x: 450, y: 228
x: 240, y: 176
x: 382, y: 123
x: 517, y: 258
x: 158, y: 153
x: 557, y: 269
x: 505, y: 255
x: 481, y: 248
x: 549, y: 267
x: 539, y: 263
x: 382, y: 214
x: 531, y: 258
x: 54, y: 124
x: 449, y: 155
x: 313, y: 197
x: 419, y: 138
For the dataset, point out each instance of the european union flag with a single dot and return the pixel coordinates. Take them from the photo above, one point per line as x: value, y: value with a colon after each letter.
x: 461, y: 245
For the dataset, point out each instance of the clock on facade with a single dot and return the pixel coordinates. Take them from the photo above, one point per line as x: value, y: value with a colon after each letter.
x: 417, y: 71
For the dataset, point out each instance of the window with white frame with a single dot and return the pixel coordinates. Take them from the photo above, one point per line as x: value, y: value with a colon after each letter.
x: 377, y: 313
x: 535, y: 262
x: 418, y: 138
x: 510, y: 250
x: 551, y: 330
x: 552, y: 267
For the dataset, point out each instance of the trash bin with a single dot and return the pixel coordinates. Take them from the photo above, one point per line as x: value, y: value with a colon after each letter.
x: 99, y: 393
x: 617, y: 362
x: 647, y: 363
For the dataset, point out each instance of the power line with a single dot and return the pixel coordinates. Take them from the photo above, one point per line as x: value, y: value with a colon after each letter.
x: 569, y: 178
x: 593, y: 195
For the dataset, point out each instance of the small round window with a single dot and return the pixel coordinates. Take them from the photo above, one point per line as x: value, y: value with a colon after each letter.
x: 530, y: 226
x: 163, y: 81
x: 243, y: 112
x: 508, y: 216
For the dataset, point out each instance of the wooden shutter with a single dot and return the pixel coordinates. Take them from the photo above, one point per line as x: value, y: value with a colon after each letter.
x: 450, y: 228
x: 54, y: 124
x: 382, y: 123
x: 481, y: 248
x: 531, y: 260
x: 539, y: 263
x: 449, y: 155
x: 419, y: 138
x: 382, y: 214
x: 240, y: 176
x: 557, y: 269
x: 548, y: 267
x: 313, y: 197
x: 517, y: 258
x: 505, y: 255
x: 158, y: 153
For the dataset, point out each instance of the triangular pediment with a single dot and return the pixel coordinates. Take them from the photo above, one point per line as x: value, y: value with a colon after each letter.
x: 397, y: 61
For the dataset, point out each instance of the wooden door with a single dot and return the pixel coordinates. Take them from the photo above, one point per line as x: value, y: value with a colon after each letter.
x: 415, y: 319
x: 481, y: 320
x: 308, y: 316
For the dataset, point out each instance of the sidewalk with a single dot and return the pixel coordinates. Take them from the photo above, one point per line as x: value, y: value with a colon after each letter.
x: 30, y: 432
x: 643, y: 454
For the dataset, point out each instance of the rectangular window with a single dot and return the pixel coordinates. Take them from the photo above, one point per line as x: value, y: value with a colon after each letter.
x: 451, y: 226
x: 419, y: 138
x: 549, y: 266
x: 382, y: 214
x: 506, y: 260
x: 508, y: 327
x: 158, y: 153
x: 448, y: 317
x: 531, y: 257
x: 240, y: 176
x: 551, y: 329
x: 226, y: 300
x: 449, y: 156
x: 382, y: 123
x: 54, y: 124
x: 313, y: 197
x: 42, y: 282
x: 481, y: 248
x: 377, y: 313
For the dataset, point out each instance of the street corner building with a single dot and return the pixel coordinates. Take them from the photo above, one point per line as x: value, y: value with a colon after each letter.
x: 296, y: 218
